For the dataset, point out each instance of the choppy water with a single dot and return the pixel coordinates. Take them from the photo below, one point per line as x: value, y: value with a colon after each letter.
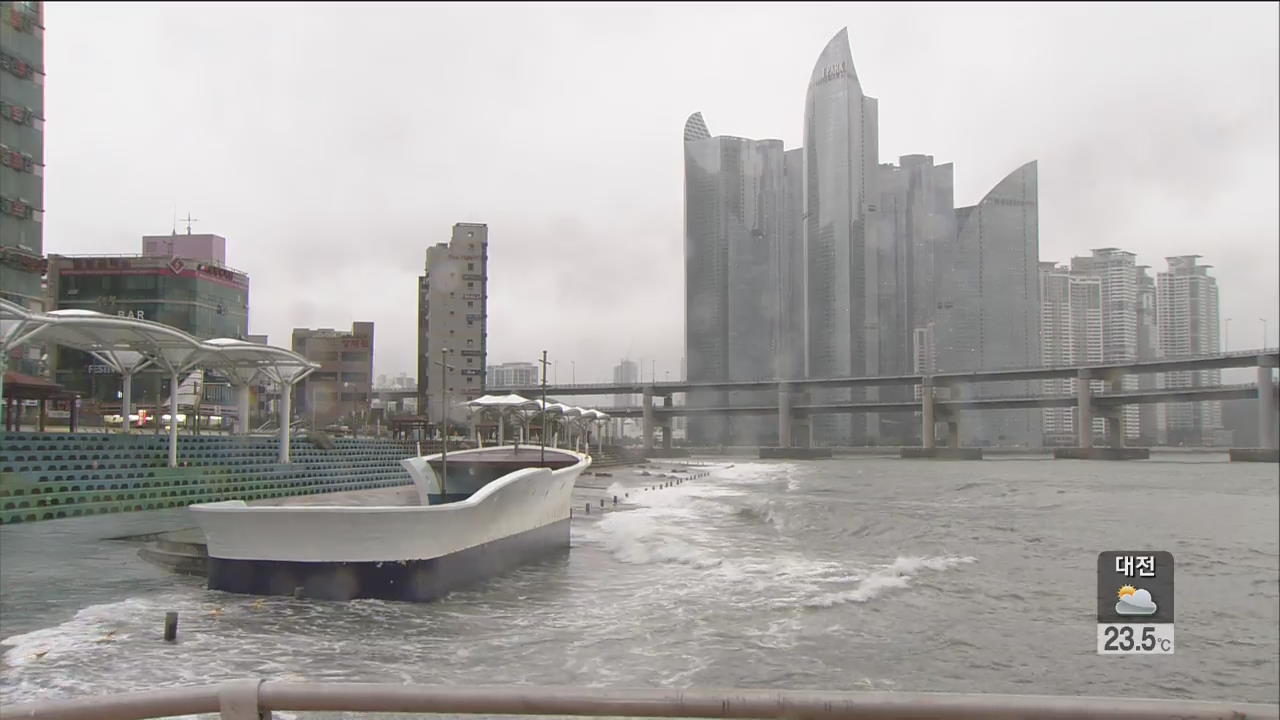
x: 843, y: 574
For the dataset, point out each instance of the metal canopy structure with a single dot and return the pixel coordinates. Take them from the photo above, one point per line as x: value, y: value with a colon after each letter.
x: 128, y: 345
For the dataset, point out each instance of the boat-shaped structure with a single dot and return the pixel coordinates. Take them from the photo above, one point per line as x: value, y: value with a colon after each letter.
x: 499, y: 507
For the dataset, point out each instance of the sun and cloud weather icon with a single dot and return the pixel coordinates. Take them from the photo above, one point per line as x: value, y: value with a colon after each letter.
x: 1135, y: 602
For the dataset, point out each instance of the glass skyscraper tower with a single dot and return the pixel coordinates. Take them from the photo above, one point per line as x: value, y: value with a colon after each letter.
x: 841, y: 146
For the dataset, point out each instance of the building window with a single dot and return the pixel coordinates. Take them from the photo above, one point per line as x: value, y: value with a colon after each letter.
x: 470, y: 284
x: 468, y: 341
x: 471, y: 266
x: 470, y: 304
x: 469, y: 380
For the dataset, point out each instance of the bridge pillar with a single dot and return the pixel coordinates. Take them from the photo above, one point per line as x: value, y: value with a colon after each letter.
x: 1084, y: 409
x: 1115, y: 414
x: 1268, y: 416
x: 928, y: 423
x: 646, y: 419
x: 666, y: 424
x: 784, y: 415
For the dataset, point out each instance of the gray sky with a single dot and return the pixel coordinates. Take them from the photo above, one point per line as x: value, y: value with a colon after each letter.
x: 331, y: 144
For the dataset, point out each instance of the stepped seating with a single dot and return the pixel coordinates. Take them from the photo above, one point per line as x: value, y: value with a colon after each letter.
x: 45, y: 476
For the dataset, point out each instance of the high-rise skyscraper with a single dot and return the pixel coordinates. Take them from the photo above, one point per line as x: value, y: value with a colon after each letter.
x: 915, y: 214
x: 1117, y: 272
x: 453, y: 315
x: 1151, y: 429
x: 1187, y: 314
x: 791, y: 263
x: 1071, y: 333
x: 988, y: 304
x: 841, y: 154
x: 22, y: 154
x: 734, y: 234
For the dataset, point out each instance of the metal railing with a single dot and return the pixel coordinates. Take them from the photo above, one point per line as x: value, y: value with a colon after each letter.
x: 256, y: 699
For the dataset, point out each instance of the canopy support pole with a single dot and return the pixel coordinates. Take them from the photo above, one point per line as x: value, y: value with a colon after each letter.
x: 173, y: 419
x: 286, y: 412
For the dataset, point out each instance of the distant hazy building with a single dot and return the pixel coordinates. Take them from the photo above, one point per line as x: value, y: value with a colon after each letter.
x: 1071, y: 333
x: 841, y: 155
x: 915, y: 214
x: 512, y: 375
x: 1151, y: 427
x: 339, y: 391
x: 734, y: 230
x: 22, y: 154
x: 452, y: 315
x: 1187, y: 312
x: 1118, y: 273
x: 626, y: 371
x: 988, y: 304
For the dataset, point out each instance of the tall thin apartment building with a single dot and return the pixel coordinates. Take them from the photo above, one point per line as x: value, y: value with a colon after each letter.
x: 734, y: 229
x: 22, y: 153
x: 1071, y: 333
x: 841, y: 156
x: 453, y: 316
x: 1187, y: 316
x: 1151, y: 428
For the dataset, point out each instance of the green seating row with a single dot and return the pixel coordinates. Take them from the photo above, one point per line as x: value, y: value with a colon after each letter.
x: 51, y: 512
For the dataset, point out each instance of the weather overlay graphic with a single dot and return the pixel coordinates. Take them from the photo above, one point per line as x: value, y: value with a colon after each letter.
x: 1135, y: 602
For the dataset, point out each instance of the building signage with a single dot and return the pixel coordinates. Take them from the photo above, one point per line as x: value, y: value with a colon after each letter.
x: 176, y: 265
x: 134, y: 314
x: 355, y: 342
x: 831, y: 72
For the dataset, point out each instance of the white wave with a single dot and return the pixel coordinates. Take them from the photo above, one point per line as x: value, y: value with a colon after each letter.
x: 638, y: 538
x: 894, y: 576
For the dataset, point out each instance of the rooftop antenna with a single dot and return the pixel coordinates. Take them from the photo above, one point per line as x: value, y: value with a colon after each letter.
x: 189, y: 220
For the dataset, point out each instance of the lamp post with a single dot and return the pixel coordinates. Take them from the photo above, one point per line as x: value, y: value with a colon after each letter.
x: 1226, y: 341
x: 542, y: 435
x: 1264, y: 332
x: 444, y: 422
x: 573, y: 372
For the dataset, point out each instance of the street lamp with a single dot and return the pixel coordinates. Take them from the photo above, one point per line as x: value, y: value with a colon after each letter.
x: 1264, y: 332
x: 573, y: 372
x: 444, y: 422
x: 1226, y: 342
x: 542, y: 433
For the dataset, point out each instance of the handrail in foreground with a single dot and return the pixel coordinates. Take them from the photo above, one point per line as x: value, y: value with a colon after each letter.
x: 255, y: 699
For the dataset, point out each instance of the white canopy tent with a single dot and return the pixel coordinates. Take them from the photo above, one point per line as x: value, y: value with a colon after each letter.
x: 504, y: 405
x: 243, y: 361
x: 129, y: 345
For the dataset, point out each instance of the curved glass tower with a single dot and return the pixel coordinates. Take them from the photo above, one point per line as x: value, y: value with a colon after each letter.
x: 840, y: 160
x: 988, y: 314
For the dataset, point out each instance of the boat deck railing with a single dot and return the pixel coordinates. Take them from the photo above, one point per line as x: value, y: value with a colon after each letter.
x: 257, y: 699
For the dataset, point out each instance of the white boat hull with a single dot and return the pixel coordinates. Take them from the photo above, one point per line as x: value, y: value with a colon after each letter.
x: 415, y: 553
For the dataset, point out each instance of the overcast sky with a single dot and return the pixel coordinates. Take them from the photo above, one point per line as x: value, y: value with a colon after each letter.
x: 331, y: 144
